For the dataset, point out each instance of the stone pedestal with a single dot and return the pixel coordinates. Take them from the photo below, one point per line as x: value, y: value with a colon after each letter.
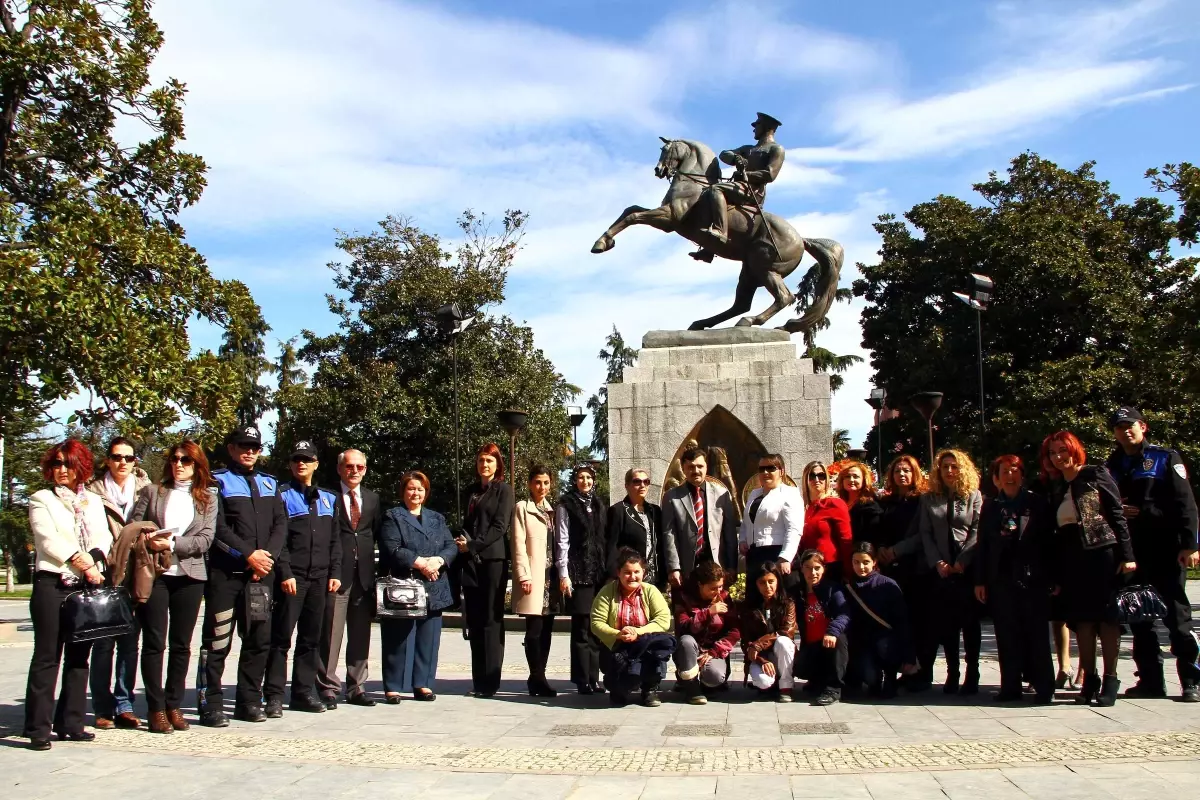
x: 744, y: 390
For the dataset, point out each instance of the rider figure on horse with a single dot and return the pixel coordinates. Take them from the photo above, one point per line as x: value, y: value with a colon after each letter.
x: 756, y: 165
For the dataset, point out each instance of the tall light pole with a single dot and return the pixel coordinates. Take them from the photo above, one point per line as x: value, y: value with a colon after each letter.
x: 927, y: 404
x: 577, y: 418
x: 514, y: 423
x: 876, y: 401
x: 979, y: 297
x: 450, y: 321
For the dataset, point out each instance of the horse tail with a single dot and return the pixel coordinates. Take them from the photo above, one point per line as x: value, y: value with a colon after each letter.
x: 829, y: 255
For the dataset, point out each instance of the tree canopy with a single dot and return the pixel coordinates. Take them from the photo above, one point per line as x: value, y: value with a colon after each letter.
x: 384, y: 382
x: 98, y: 281
x: 1091, y: 310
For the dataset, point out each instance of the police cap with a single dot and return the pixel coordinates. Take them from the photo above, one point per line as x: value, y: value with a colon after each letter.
x: 248, y: 435
x: 304, y: 449
x: 1125, y: 415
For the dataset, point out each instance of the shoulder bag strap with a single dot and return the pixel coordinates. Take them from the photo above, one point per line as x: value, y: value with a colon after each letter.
x: 866, y: 608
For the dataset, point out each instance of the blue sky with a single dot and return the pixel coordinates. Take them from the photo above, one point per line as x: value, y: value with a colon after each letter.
x: 315, y: 117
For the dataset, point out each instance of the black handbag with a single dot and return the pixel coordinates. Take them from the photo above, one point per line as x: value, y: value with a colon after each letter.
x: 1136, y: 604
x: 92, y: 613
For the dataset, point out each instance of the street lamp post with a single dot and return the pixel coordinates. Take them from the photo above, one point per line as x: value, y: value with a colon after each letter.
x: 450, y: 321
x: 979, y: 298
x: 513, y: 422
x: 876, y: 401
x: 927, y: 404
x: 577, y: 418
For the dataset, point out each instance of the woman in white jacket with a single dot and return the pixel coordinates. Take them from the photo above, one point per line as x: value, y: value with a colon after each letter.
x: 774, y: 518
x: 71, y: 538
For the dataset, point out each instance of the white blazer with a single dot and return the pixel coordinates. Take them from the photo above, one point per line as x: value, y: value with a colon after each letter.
x: 779, y: 520
x: 53, y: 524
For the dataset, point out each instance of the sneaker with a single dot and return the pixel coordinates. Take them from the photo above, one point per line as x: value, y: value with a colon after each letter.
x: 784, y: 696
x: 1191, y: 694
x: 698, y: 699
x: 828, y: 697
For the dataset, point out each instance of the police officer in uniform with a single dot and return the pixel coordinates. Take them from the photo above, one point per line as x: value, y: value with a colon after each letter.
x: 312, y: 556
x: 1162, y: 518
x: 251, y: 525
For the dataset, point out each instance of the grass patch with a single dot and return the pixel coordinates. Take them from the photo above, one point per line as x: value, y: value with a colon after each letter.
x: 20, y: 594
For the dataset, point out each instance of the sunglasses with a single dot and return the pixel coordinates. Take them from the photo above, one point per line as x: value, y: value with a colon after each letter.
x: 639, y: 482
x: 817, y: 476
x: 303, y: 460
x: 249, y: 448
x: 354, y: 467
x: 768, y: 468
x: 184, y: 461
x: 119, y: 459
x: 57, y: 463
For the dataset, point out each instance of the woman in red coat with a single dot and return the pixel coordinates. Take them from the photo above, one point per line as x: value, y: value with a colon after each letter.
x: 826, y: 521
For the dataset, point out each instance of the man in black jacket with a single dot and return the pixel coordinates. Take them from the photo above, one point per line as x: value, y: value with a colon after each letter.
x: 360, y: 518
x: 309, y: 569
x: 251, y: 525
x: 1162, y: 518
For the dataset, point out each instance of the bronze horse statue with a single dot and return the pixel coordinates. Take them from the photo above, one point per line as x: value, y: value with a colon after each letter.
x: 767, y: 257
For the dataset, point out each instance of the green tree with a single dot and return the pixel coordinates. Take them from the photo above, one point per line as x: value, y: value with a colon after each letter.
x: 616, y: 356
x: 1085, y: 287
x: 98, y: 282
x: 244, y: 349
x: 24, y: 443
x: 384, y: 381
x: 824, y: 360
x: 841, y: 443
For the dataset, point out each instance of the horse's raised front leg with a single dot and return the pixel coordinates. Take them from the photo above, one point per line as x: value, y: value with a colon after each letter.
x: 660, y: 218
x: 746, y: 287
x: 778, y: 289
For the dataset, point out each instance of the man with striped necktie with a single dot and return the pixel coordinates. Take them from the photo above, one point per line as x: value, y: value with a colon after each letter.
x: 699, y: 521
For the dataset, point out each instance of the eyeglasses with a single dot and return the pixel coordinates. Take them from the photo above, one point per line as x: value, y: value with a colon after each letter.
x: 57, y: 463
x: 118, y: 459
x: 249, y: 448
x: 183, y: 461
x: 354, y: 467
x: 303, y: 460
x: 639, y: 482
x: 768, y: 468
x: 816, y: 476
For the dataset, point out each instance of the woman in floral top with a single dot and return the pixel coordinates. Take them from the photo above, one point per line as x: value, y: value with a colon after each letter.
x: 708, y: 631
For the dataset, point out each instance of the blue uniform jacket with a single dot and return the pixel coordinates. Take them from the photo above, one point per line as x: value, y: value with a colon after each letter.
x: 1155, y: 480
x: 250, y: 516
x: 314, y: 544
x: 404, y: 539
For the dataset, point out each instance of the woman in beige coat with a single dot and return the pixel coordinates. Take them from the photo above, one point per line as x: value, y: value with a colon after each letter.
x: 533, y: 594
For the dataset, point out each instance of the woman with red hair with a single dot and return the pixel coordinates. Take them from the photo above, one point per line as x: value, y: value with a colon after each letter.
x: 484, y: 577
x: 71, y: 538
x: 1094, y: 552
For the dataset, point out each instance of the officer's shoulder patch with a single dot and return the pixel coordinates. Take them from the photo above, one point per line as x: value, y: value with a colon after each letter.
x: 1181, y: 471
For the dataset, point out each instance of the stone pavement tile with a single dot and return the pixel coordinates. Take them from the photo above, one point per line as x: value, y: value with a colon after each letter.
x: 608, y: 787
x: 1093, y: 724
x: 400, y: 785
x: 976, y: 784
x: 1177, y: 773
x: 829, y: 787
x: 979, y: 728
x: 902, y: 785
x: 1036, y: 726
x: 536, y: 787
x: 662, y: 788
x: 467, y: 785
x: 762, y: 740
x: 1126, y: 781
x: 814, y: 740
x: 1054, y: 783
x: 531, y: 741
x: 757, y: 787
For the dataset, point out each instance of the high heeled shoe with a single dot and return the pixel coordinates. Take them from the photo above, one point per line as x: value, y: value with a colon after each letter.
x: 1063, y: 680
x: 1090, y: 689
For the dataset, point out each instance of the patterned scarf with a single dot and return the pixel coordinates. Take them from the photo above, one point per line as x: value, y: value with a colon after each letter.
x: 77, y: 500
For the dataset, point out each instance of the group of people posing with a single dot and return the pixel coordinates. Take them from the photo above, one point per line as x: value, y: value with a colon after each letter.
x: 851, y: 589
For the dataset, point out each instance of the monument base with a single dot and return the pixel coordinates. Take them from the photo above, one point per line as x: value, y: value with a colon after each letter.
x: 741, y: 393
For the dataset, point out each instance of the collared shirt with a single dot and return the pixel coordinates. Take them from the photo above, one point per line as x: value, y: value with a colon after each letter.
x: 346, y: 492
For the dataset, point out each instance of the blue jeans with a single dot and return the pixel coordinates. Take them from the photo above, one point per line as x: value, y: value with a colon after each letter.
x: 423, y: 637
x: 117, y: 698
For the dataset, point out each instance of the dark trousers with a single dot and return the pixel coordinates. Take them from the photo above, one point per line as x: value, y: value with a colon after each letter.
x: 875, y: 658
x: 348, y: 617
x: 113, y: 673
x: 425, y: 637
x: 823, y: 667
x: 49, y: 650
x: 484, y: 606
x: 585, y: 651
x: 539, y: 633
x: 301, y: 613
x: 1169, y: 580
x: 640, y: 664
x: 168, y: 617
x: 1021, y: 617
x: 957, y: 613
x: 224, y: 607
x: 923, y: 620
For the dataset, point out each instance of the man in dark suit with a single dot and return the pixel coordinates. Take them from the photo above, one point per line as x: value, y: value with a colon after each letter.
x: 699, y: 521
x: 352, y: 608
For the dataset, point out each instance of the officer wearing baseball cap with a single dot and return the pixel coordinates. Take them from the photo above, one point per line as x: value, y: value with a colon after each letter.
x: 309, y: 569
x: 251, y: 524
x: 1161, y: 510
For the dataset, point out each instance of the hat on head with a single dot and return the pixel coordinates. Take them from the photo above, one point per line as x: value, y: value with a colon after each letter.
x: 304, y: 448
x: 246, y: 435
x: 769, y: 120
x: 1125, y: 414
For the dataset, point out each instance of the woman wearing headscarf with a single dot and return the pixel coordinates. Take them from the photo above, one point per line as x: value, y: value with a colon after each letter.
x: 70, y: 538
x: 579, y: 553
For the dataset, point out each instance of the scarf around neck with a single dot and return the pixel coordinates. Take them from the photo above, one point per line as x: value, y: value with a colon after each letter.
x: 77, y: 501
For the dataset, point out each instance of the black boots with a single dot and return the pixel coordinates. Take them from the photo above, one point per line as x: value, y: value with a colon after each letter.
x: 971, y: 684
x: 1109, y: 691
x: 1090, y: 688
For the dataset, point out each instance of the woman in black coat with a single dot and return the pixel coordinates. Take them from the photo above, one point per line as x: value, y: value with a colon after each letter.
x: 636, y: 523
x: 1094, y: 553
x: 416, y: 543
x: 485, y: 571
x: 1012, y: 563
x: 579, y: 552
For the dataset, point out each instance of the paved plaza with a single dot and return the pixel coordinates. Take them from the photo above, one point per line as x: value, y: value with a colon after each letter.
x: 577, y: 747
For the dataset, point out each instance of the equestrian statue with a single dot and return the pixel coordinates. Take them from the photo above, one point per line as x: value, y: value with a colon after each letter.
x: 726, y: 218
